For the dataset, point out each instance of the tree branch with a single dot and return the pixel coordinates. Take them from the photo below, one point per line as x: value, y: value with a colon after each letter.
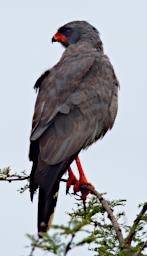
x: 133, y: 229
x: 17, y: 177
x: 32, y: 251
x: 141, y: 249
x: 14, y: 177
x: 109, y: 211
x: 123, y: 243
x: 68, y: 247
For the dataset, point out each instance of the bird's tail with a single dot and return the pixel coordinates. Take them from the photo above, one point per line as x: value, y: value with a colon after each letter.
x: 47, y: 178
x: 46, y: 207
x: 48, y: 183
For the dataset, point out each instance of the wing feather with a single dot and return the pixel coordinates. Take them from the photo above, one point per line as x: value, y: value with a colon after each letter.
x: 73, y: 106
x: 54, y: 91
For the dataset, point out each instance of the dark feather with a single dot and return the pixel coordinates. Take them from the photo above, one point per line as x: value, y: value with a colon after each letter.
x: 47, y: 178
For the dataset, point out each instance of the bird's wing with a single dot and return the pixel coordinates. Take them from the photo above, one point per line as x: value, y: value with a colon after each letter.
x: 71, y: 106
x: 55, y: 88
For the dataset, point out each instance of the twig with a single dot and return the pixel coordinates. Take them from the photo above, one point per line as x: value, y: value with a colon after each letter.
x: 141, y: 249
x: 133, y: 229
x: 32, y: 251
x: 14, y: 178
x: 63, y: 180
x: 111, y: 216
x: 68, y: 245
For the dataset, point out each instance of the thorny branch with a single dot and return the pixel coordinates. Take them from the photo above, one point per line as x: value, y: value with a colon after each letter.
x: 133, y: 229
x: 14, y: 177
x: 141, y: 249
x: 5, y: 175
x: 111, y: 216
x: 123, y: 243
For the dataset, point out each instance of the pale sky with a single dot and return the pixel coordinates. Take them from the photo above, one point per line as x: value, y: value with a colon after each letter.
x: 117, y: 164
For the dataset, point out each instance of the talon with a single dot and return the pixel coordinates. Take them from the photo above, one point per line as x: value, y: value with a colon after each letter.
x: 86, y: 191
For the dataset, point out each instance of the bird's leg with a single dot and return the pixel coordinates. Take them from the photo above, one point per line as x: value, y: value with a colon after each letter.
x: 82, y: 181
x: 72, y: 180
x: 78, y: 184
x: 82, y: 178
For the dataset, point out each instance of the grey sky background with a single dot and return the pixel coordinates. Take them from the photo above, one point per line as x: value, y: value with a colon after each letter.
x: 117, y: 164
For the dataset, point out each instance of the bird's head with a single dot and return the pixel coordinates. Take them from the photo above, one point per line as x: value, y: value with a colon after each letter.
x: 77, y: 31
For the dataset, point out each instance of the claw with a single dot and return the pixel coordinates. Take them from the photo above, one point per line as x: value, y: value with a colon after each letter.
x: 85, y: 190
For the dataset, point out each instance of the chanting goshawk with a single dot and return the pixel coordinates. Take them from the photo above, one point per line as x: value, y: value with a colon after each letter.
x: 76, y: 105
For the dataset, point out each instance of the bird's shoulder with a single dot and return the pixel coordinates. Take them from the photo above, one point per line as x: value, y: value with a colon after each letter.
x: 39, y: 81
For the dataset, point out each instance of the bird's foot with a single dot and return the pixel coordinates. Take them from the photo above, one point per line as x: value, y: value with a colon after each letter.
x: 81, y: 185
x: 84, y: 187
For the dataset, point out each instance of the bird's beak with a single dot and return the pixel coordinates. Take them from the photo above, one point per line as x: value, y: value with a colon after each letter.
x: 58, y: 37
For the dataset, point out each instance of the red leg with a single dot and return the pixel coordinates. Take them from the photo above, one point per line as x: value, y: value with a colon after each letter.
x: 72, y: 180
x: 82, y: 180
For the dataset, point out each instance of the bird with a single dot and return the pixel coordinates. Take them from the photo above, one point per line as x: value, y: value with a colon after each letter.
x: 76, y: 105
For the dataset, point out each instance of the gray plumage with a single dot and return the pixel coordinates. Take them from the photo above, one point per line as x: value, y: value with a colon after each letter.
x: 76, y: 105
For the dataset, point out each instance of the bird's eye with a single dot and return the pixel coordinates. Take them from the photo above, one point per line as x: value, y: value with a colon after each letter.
x: 68, y: 30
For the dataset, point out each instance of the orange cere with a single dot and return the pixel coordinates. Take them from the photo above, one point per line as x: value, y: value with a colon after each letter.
x: 59, y: 37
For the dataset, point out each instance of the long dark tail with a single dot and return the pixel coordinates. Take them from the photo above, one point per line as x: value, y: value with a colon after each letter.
x: 47, y: 178
x: 46, y: 206
x: 48, y: 183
